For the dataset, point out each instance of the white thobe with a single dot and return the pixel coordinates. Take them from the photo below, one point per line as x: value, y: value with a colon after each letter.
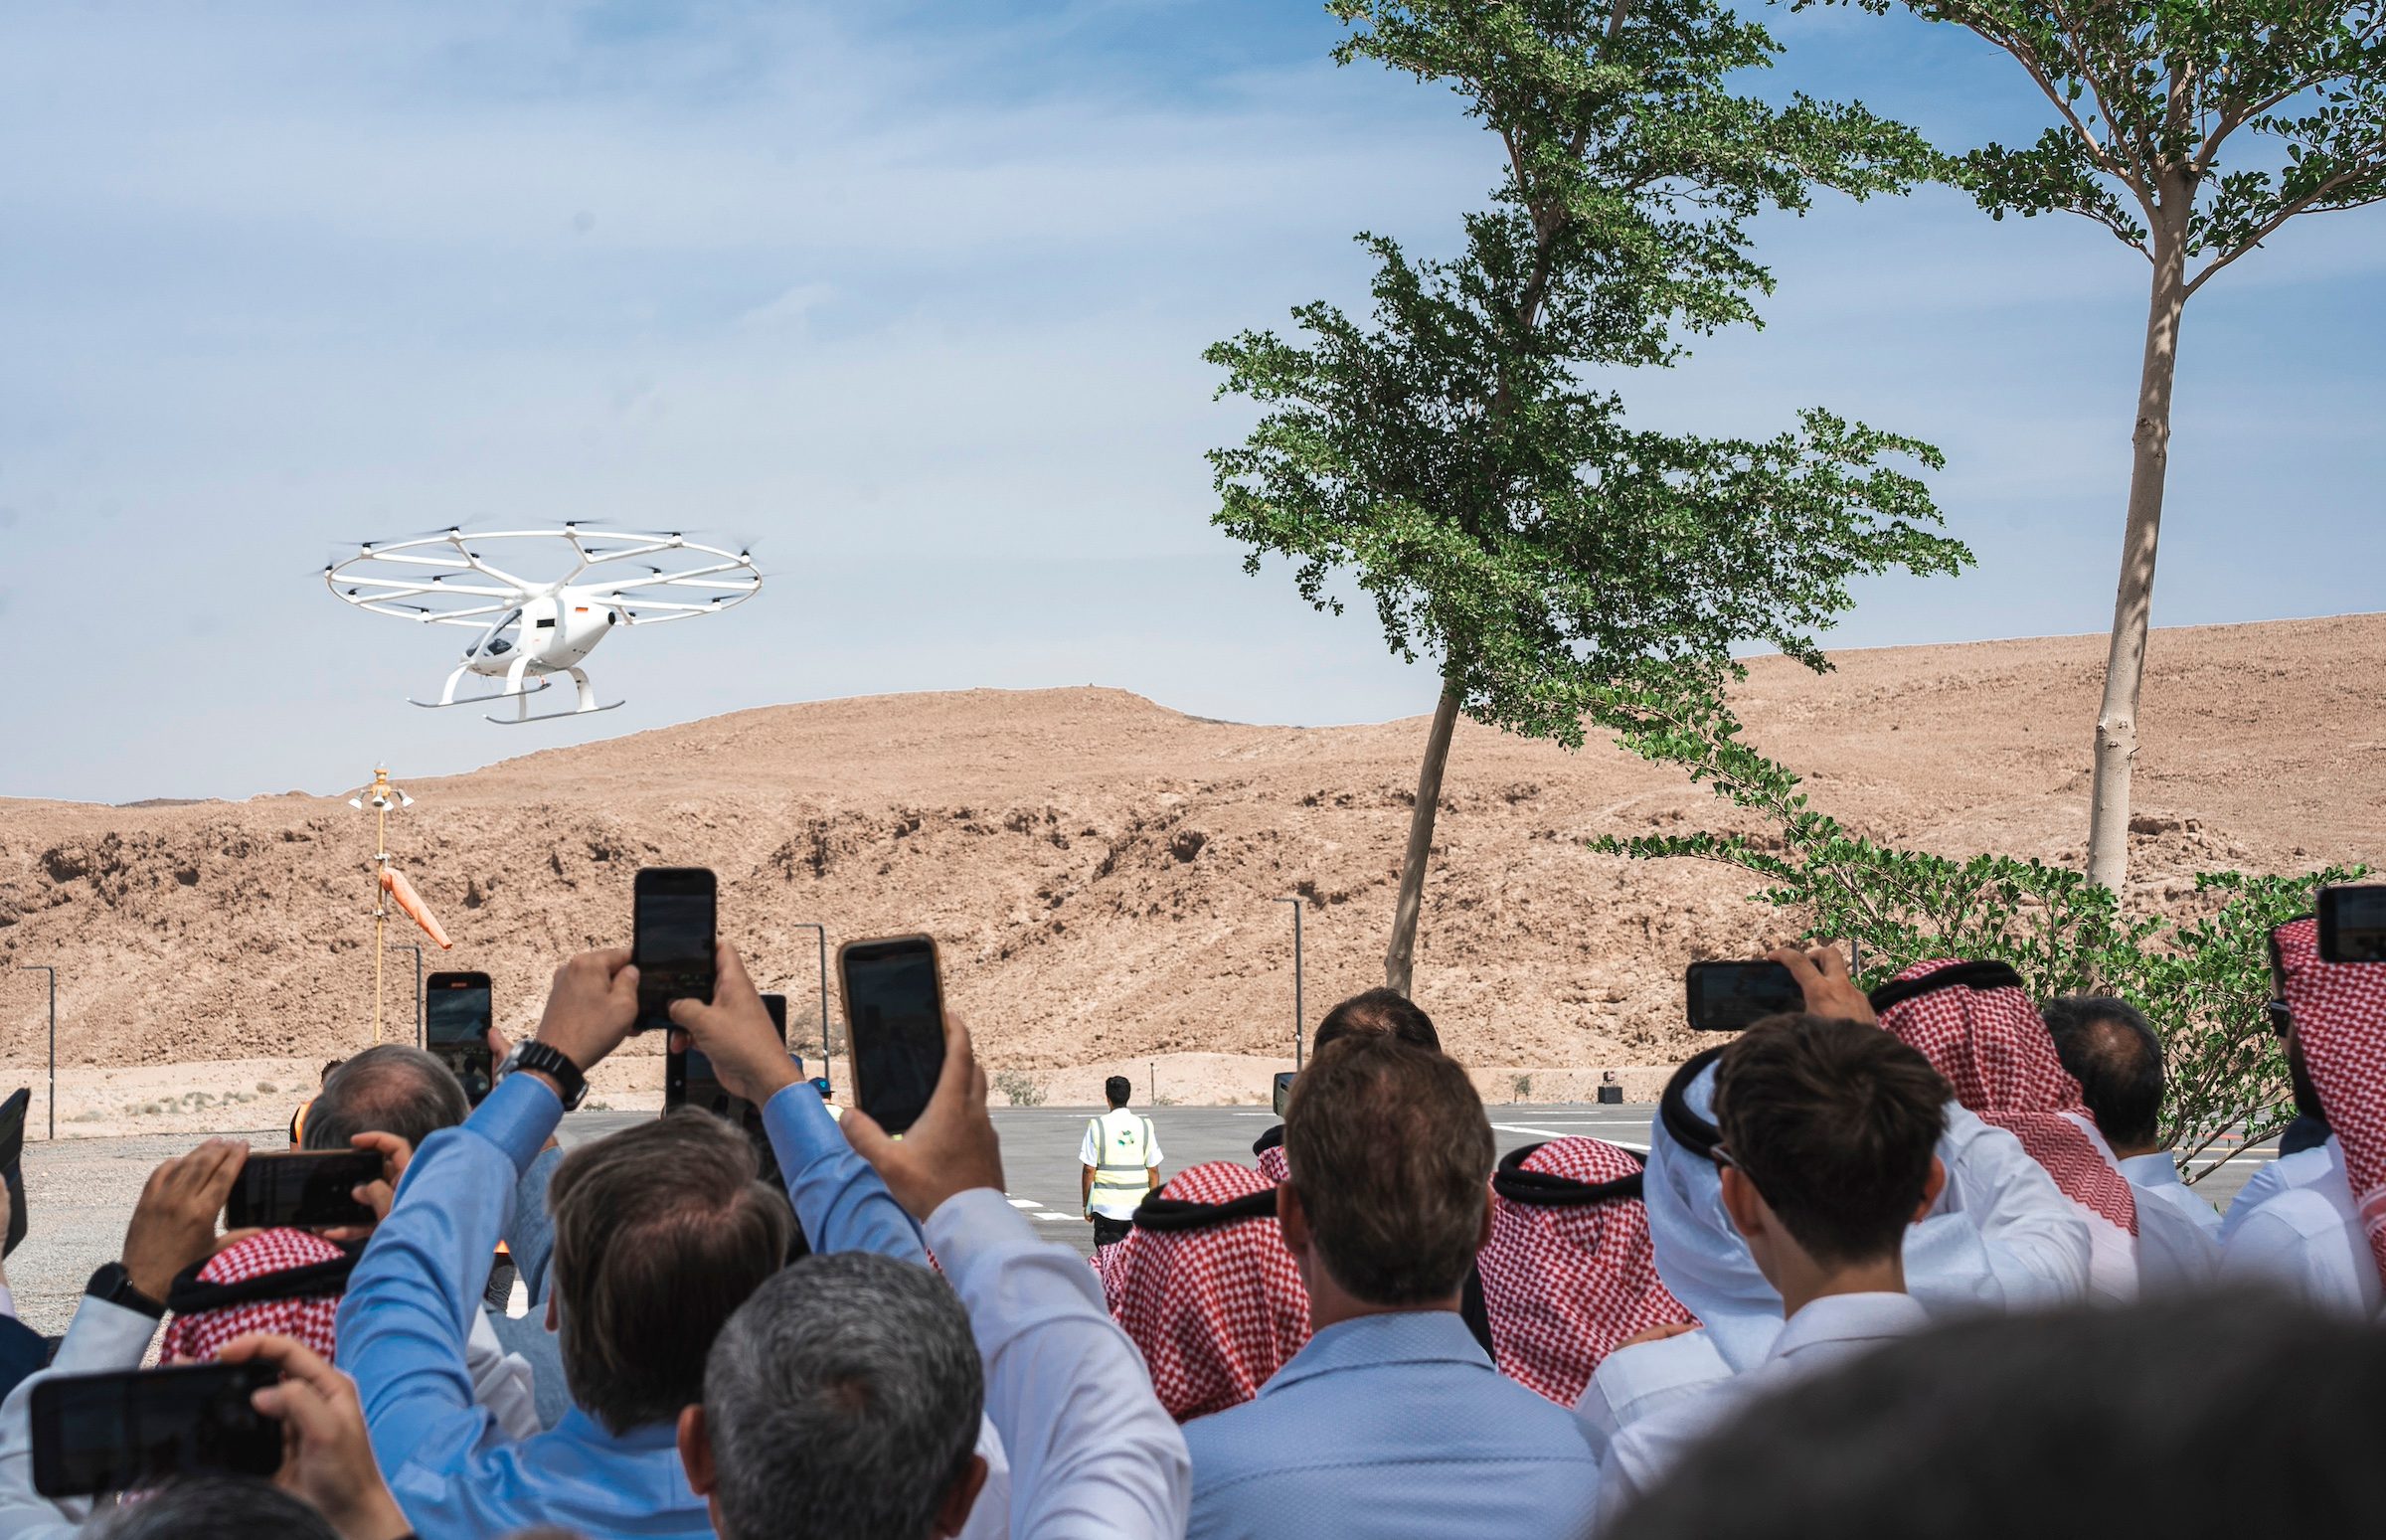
x: 2307, y: 1241
x: 2178, y: 1233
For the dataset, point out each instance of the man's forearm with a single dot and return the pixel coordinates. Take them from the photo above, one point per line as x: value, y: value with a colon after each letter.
x: 2036, y: 1239
x: 839, y: 1200
x: 404, y: 1323
x: 1093, y: 1452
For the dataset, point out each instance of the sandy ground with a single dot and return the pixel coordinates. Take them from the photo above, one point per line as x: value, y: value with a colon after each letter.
x: 1102, y: 874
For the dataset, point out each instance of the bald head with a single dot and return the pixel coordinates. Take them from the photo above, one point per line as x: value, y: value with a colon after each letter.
x: 1382, y: 1013
x: 2112, y: 1051
x: 391, y: 1089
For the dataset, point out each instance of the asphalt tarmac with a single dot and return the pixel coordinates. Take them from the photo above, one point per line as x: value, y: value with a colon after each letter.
x: 82, y: 1191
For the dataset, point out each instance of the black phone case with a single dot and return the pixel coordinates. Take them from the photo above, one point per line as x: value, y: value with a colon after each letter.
x: 12, y: 1163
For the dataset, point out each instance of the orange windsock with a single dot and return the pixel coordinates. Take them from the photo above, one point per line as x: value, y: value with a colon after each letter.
x: 394, y: 882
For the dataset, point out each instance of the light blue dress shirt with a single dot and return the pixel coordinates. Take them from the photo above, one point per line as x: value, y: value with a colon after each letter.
x: 403, y: 1323
x: 1391, y: 1425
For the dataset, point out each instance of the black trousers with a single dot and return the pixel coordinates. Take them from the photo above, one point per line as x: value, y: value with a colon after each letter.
x: 1108, y: 1230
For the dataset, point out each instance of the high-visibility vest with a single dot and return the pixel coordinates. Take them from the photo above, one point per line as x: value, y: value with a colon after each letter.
x: 1122, y: 1177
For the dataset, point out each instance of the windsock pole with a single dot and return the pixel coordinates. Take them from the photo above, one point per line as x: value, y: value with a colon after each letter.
x: 381, y: 797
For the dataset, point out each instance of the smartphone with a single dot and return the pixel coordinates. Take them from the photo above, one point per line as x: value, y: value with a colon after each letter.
x: 895, y: 1026
x: 305, y: 1188
x: 1727, y: 996
x: 2352, y: 924
x: 1283, y: 1090
x: 111, y: 1432
x: 456, y: 1017
x: 689, y: 1079
x: 671, y: 940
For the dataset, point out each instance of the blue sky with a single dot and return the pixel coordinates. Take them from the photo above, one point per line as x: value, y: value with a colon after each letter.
x: 914, y: 296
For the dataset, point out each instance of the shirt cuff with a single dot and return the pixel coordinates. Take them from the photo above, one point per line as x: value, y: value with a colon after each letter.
x: 799, y: 1125
x: 518, y: 1118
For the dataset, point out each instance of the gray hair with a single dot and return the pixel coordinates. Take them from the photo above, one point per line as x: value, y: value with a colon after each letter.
x: 393, y: 1087
x: 213, y: 1509
x: 842, y: 1399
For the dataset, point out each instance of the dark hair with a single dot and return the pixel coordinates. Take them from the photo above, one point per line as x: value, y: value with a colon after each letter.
x: 328, y: 1068
x: 213, y: 1509
x: 2078, y: 1425
x: 389, y: 1088
x: 1835, y: 1123
x: 1380, y: 1011
x: 842, y: 1399
x: 661, y: 1232
x: 1391, y: 1157
x: 2112, y: 1051
x: 1117, y: 1088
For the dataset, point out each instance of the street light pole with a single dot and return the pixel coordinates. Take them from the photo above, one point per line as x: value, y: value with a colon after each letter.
x: 1295, y: 903
x: 44, y: 967
x: 828, y: 1054
x: 418, y: 951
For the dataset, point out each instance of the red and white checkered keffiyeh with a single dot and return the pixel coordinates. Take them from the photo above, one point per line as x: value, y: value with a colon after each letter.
x: 1268, y: 1153
x: 2339, y: 1012
x: 1216, y: 1309
x: 1992, y: 1047
x: 197, y: 1337
x: 1565, y: 1283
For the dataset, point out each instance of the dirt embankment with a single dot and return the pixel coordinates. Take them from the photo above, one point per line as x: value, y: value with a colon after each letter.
x: 1102, y: 871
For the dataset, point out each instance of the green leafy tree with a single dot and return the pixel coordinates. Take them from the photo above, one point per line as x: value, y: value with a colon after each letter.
x: 1457, y: 452
x: 2192, y: 131
x: 2202, y: 980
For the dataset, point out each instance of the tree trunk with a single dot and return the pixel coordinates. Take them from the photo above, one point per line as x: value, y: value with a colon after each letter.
x: 1400, y: 959
x: 2133, y: 600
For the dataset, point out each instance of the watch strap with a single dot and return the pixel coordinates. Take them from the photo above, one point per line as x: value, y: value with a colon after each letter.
x: 533, y: 1055
x: 114, y: 1285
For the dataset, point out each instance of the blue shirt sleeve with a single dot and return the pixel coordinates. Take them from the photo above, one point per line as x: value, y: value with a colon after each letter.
x: 408, y: 1313
x: 839, y: 1200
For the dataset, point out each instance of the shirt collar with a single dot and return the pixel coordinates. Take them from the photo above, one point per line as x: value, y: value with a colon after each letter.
x: 1393, y: 1337
x: 581, y: 1428
x: 2155, y: 1170
x: 1850, y: 1318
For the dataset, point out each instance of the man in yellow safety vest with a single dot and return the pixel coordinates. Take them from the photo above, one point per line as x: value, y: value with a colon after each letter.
x: 1121, y: 1158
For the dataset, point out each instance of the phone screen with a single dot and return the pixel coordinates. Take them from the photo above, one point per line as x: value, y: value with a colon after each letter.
x: 110, y: 1433
x: 895, y: 1014
x: 2352, y: 924
x: 457, y: 1016
x: 304, y: 1187
x: 1727, y: 996
x: 672, y: 944
x: 1283, y: 1091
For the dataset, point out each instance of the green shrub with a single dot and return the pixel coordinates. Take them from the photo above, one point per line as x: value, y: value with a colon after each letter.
x: 1019, y: 1087
x: 2201, y: 980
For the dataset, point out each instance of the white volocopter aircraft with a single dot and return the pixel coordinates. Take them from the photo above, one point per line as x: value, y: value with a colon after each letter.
x: 531, y: 629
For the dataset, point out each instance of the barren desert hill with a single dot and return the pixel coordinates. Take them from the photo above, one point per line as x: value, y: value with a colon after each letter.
x: 1102, y: 871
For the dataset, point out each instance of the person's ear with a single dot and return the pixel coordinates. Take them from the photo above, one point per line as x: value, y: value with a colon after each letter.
x: 555, y: 1319
x: 1293, y: 1219
x: 696, y: 1448
x: 1482, y: 1234
x: 1932, y: 1186
x: 952, y: 1509
x: 1743, y: 1203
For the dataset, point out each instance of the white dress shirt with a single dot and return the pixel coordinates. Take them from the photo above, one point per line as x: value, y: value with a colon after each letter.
x: 1828, y: 1332
x: 2308, y: 1241
x: 2178, y: 1233
x: 1093, y: 1452
x: 2283, y: 1174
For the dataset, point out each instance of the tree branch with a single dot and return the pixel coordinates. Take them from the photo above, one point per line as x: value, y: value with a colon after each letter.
x: 2366, y: 163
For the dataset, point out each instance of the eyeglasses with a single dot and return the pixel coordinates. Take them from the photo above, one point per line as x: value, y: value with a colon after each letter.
x: 2281, y: 1018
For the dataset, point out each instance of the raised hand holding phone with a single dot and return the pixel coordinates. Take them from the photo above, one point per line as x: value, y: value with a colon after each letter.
x: 173, y: 1223
x: 733, y: 1030
x: 327, y: 1456
x: 590, y: 1008
x: 1822, y: 978
x: 950, y: 1148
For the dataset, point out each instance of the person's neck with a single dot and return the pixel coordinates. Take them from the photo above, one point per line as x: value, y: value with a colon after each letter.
x: 1804, y: 1282
x: 2133, y: 1151
x: 1331, y: 1304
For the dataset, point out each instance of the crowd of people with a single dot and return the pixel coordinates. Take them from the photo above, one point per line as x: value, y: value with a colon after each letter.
x: 1906, y: 1263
